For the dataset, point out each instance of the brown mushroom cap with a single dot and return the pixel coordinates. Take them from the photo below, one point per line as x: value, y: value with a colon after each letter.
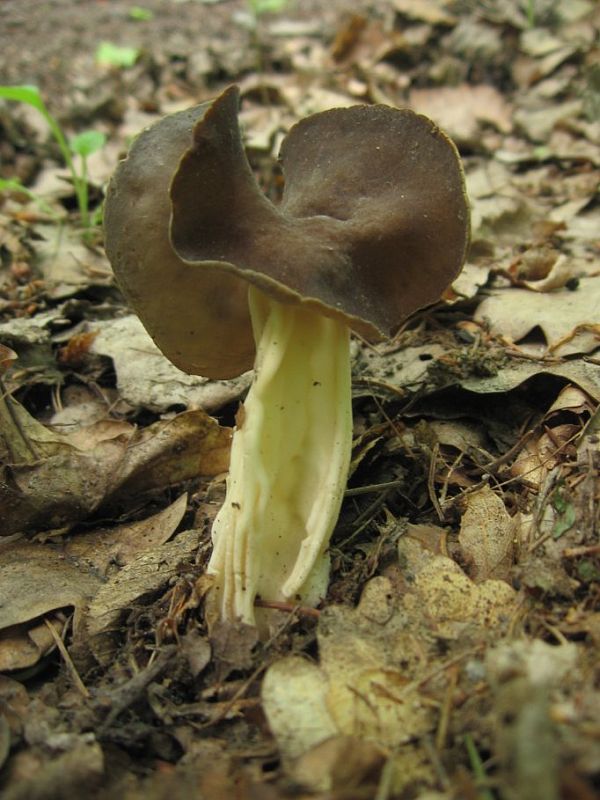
x: 373, y: 225
x: 190, y: 313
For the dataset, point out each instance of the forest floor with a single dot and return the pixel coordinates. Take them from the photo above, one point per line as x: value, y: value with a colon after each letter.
x: 456, y: 654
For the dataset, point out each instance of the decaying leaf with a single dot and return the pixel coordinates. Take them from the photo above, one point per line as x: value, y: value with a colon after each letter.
x: 22, y: 646
x: 105, y: 550
x: 191, y: 445
x: 487, y: 535
x: 358, y: 701
x: 540, y: 455
x: 35, y: 580
x: 585, y: 374
x: 453, y: 603
x: 47, y: 480
x: 372, y: 659
x: 7, y: 357
x: 138, y: 579
x: 52, y: 480
x: 554, y: 443
x: 294, y: 695
x: 66, y: 263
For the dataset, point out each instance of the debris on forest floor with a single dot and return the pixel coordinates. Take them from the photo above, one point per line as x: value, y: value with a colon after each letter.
x: 456, y: 655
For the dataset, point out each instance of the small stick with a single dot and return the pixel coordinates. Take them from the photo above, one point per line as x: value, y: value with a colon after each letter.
x: 68, y: 661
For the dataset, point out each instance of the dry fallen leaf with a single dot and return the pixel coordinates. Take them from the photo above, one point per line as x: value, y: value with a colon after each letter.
x: 52, y: 480
x: 47, y: 480
x: 452, y: 602
x: 514, y: 312
x: 294, y: 694
x: 487, y: 534
x: 108, y: 548
x: 36, y: 579
x: 434, y: 12
x: 367, y: 683
x: 139, y: 578
x: 22, y: 646
x: 460, y: 110
x: 145, y: 378
x: 66, y: 263
x: 191, y: 445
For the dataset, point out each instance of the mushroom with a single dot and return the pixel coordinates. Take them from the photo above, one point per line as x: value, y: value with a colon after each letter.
x: 373, y: 225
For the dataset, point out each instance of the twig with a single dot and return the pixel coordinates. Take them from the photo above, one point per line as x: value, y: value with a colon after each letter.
x: 384, y: 787
x: 290, y: 608
x: 68, y: 661
x: 431, y: 482
x: 583, y: 550
x: 373, y: 487
x: 124, y: 696
x: 436, y: 762
x: 444, y: 721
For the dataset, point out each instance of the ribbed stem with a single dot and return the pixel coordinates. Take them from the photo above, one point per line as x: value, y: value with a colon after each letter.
x: 289, y: 463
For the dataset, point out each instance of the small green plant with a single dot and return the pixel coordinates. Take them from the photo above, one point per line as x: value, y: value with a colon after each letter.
x: 140, y: 14
x: 478, y: 768
x: 259, y: 7
x: 256, y: 9
x: 114, y: 55
x: 82, y: 145
x: 565, y: 513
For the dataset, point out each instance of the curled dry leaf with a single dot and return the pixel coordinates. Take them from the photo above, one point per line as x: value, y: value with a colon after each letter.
x: 35, y: 580
x: 52, y: 480
x: 539, y: 456
x: 555, y: 443
x: 7, y: 358
x: 190, y: 445
x: 487, y: 536
x: 48, y: 481
x: 22, y: 646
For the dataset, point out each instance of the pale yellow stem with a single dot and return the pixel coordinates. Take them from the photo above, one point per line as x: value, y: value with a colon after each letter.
x: 289, y: 463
